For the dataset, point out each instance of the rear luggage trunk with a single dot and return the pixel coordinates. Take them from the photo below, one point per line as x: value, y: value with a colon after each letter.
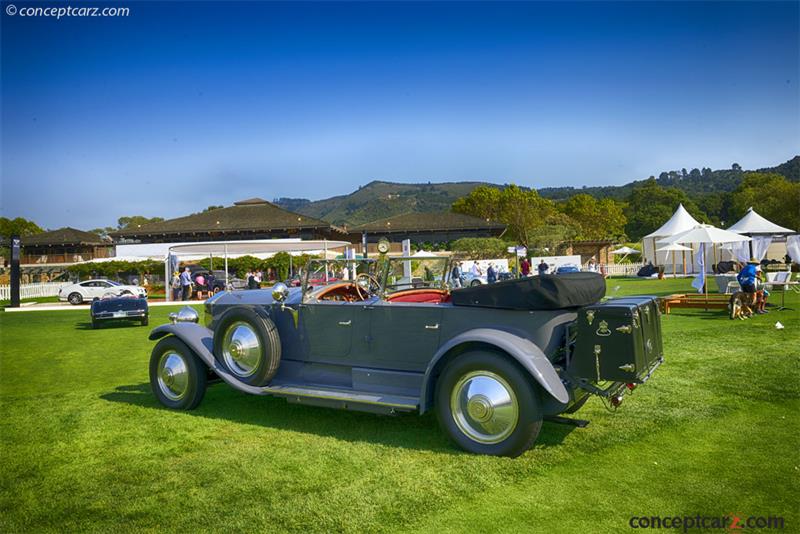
x: 618, y: 340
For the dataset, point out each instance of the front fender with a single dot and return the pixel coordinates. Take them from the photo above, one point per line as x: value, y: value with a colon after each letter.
x: 201, y: 340
x: 522, y: 350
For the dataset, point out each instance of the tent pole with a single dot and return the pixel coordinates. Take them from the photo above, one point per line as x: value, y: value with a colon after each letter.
x: 674, y: 269
x: 167, y: 279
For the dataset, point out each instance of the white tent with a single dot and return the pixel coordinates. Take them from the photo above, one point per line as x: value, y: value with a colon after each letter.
x: 227, y: 249
x: 761, y: 230
x: 754, y: 224
x: 680, y: 221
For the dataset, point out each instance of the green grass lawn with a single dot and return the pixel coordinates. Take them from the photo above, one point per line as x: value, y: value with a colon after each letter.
x: 86, y: 447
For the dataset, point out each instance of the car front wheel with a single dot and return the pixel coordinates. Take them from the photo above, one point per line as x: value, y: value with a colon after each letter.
x: 475, y: 283
x: 177, y: 376
x: 75, y: 298
x: 487, y: 404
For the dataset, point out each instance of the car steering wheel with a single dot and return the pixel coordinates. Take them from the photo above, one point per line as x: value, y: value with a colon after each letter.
x: 366, y: 285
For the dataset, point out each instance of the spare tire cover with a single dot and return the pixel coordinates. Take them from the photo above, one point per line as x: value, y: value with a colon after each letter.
x: 256, y: 355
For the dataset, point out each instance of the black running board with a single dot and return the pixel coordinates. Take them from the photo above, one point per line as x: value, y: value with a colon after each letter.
x: 343, y: 398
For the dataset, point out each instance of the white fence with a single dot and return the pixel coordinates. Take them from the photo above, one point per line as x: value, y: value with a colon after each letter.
x: 30, y: 291
x: 623, y: 269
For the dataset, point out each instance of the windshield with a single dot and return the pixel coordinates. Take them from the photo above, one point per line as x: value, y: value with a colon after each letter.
x: 324, y: 272
x: 415, y: 273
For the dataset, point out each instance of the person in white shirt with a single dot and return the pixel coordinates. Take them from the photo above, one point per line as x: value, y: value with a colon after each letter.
x: 476, y: 269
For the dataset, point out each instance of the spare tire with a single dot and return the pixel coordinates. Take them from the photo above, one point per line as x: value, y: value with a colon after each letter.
x: 247, y: 344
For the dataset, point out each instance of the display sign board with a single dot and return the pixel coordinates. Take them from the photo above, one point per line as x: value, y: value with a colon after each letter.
x: 15, y: 271
x: 519, y: 251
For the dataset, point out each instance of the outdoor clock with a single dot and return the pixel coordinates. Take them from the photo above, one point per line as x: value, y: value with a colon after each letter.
x: 383, y: 246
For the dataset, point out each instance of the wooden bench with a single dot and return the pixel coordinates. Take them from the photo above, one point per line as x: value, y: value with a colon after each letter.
x: 714, y: 301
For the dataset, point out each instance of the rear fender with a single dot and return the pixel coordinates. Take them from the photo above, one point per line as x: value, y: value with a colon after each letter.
x: 522, y: 350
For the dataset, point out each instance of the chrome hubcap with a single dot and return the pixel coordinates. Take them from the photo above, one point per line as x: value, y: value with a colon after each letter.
x: 241, y: 349
x: 173, y: 376
x: 484, y: 407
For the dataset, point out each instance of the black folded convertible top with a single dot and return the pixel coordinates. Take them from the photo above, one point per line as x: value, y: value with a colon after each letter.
x: 546, y: 292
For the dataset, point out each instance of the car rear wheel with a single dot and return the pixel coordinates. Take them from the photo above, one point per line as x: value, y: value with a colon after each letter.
x: 487, y: 404
x: 75, y: 298
x: 475, y: 283
x: 248, y: 345
x: 177, y: 376
x: 145, y: 320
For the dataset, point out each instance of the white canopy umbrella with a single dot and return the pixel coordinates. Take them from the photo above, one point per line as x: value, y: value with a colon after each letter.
x: 674, y: 247
x: 625, y: 250
x: 704, y: 234
x: 424, y: 254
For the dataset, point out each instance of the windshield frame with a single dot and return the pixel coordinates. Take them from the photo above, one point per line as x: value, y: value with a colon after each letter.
x: 343, y: 262
x: 443, y: 283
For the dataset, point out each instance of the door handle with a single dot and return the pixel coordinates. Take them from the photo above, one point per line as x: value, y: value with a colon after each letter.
x: 345, y: 323
x: 432, y: 326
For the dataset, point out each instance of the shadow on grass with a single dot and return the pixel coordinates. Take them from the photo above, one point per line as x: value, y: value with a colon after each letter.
x: 407, y: 431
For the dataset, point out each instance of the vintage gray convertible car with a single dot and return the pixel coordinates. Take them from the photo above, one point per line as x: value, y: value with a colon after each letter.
x: 492, y: 361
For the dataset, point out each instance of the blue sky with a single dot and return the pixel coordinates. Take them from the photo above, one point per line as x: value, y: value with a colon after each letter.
x: 183, y: 105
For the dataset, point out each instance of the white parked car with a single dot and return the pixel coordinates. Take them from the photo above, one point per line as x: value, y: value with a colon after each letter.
x: 90, y: 289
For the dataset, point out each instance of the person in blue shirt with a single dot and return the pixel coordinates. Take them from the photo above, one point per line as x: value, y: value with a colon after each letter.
x: 747, y: 279
x: 186, y: 284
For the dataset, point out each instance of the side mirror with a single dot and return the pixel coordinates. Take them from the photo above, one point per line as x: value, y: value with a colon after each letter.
x: 280, y: 291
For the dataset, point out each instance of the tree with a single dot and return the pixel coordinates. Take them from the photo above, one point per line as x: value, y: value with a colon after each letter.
x: 18, y: 226
x: 135, y: 220
x: 771, y: 195
x: 483, y: 202
x: 650, y: 205
x: 596, y: 219
x: 521, y: 210
x: 480, y: 248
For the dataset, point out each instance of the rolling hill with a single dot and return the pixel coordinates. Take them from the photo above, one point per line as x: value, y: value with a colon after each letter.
x: 379, y: 199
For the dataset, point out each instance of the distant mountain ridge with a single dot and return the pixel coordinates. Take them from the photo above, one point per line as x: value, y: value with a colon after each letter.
x: 380, y: 199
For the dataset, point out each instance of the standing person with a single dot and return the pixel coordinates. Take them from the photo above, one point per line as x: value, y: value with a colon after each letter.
x: 476, y: 270
x: 542, y: 267
x: 186, y: 284
x: 251, y: 280
x: 525, y: 266
x: 491, y: 274
x: 455, y: 275
x: 210, y: 283
x: 176, y: 285
x: 592, y: 266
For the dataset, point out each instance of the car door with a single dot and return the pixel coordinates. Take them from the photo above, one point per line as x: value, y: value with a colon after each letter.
x: 90, y: 290
x: 403, y: 336
x: 327, y: 328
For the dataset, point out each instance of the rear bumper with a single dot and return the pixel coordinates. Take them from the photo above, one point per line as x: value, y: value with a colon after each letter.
x: 138, y: 314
